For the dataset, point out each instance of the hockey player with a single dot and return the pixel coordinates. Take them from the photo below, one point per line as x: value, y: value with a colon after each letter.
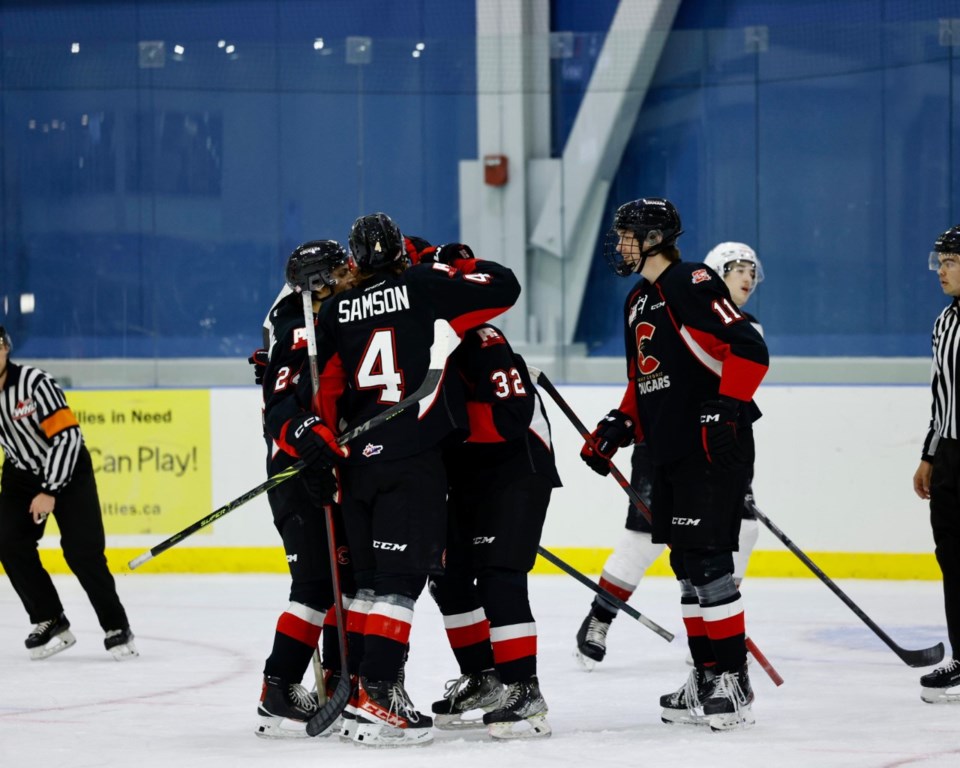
x: 500, y: 482
x: 323, y: 268
x: 380, y: 333
x: 47, y: 470
x: 635, y: 552
x: 938, y: 476
x: 693, y: 362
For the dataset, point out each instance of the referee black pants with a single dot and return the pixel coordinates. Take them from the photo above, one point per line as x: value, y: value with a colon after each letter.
x: 77, y: 511
x: 945, y: 520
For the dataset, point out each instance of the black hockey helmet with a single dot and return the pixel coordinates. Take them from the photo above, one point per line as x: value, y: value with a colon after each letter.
x: 376, y: 242
x: 311, y: 266
x: 5, y: 339
x: 653, y: 220
x: 948, y: 242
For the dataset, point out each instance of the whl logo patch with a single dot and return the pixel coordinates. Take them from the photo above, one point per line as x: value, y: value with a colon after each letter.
x: 23, y: 409
x: 372, y: 450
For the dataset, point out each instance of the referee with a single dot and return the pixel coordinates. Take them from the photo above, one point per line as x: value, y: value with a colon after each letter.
x: 938, y: 476
x: 47, y: 469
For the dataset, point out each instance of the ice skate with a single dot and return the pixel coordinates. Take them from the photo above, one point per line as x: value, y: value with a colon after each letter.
x: 284, y: 709
x: 729, y: 705
x: 685, y: 706
x: 942, y: 686
x: 591, y: 641
x: 475, y: 691
x: 120, y: 643
x: 522, y: 713
x: 50, y: 637
x: 348, y: 718
x: 387, y: 718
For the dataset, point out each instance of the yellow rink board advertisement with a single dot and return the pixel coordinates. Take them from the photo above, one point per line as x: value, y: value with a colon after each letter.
x: 151, y: 456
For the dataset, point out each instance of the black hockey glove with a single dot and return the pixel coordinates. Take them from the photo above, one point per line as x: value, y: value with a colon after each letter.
x: 614, y: 431
x: 259, y: 362
x: 449, y: 253
x: 322, y: 481
x: 718, y: 430
x: 311, y: 440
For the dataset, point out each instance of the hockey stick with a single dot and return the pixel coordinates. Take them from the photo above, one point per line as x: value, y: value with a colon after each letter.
x: 628, y: 609
x: 316, y: 662
x: 423, y: 396
x: 540, y: 378
x: 923, y: 657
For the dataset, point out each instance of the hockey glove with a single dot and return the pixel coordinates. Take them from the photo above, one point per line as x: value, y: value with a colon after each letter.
x: 614, y: 431
x: 259, y: 362
x: 450, y: 253
x: 311, y: 440
x: 718, y: 431
x: 322, y: 481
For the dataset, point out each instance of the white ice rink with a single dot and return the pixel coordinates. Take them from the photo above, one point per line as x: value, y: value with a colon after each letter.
x: 190, y: 699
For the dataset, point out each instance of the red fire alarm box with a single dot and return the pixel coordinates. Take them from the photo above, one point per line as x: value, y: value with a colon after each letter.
x: 495, y: 170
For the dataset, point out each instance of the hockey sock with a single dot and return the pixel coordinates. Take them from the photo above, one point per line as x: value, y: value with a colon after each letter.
x: 357, y: 611
x: 697, y: 640
x: 513, y: 632
x: 722, y: 611
x: 296, y: 636
x: 468, y: 630
x: 630, y: 559
x: 387, y: 631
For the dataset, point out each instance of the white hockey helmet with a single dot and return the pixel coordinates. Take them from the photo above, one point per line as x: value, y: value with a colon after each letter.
x: 723, y: 256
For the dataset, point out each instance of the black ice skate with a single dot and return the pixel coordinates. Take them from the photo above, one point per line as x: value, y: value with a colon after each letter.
x: 729, y: 705
x: 522, y: 712
x: 592, y: 641
x: 120, y: 643
x: 387, y: 718
x: 282, y: 703
x: 49, y: 637
x: 686, y: 704
x: 936, y: 685
x: 468, y: 693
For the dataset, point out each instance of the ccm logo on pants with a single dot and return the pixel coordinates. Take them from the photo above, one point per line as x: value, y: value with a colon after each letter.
x: 389, y: 546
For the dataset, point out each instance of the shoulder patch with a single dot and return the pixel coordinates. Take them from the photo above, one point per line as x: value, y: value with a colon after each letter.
x: 489, y: 336
x: 700, y: 276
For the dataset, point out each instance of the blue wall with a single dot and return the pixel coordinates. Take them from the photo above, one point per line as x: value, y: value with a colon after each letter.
x: 150, y: 208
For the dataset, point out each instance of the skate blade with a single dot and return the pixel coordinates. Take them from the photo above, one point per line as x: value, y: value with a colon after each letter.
x: 586, y: 663
x: 732, y: 721
x: 270, y: 727
x: 940, y: 695
x: 382, y: 735
x: 681, y: 717
x: 529, y: 728
x: 459, y: 722
x: 124, y: 652
x: 54, y: 645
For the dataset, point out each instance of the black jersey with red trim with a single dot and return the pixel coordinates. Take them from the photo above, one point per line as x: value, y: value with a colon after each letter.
x: 509, y: 430
x: 380, y: 333
x: 687, y: 342
x: 288, y: 363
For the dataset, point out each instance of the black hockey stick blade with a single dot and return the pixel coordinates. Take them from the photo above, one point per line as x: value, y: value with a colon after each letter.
x: 626, y: 608
x: 424, y: 396
x: 332, y: 709
x: 922, y: 657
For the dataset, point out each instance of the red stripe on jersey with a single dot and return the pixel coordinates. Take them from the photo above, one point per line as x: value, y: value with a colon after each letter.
x: 629, y: 406
x: 740, y: 377
x: 613, y: 589
x: 463, y: 323
x: 461, y: 637
x: 482, y: 427
x: 333, y: 383
x: 513, y: 649
x: 300, y: 630
x: 385, y: 626
x: 695, y: 626
x: 731, y: 626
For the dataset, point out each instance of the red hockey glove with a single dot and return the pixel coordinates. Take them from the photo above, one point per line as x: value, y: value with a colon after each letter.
x: 614, y: 431
x: 718, y: 430
x: 312, y: 440
x: 259, y: 362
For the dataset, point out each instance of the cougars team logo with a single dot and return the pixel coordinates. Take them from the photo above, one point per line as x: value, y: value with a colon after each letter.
x: 700, y: 276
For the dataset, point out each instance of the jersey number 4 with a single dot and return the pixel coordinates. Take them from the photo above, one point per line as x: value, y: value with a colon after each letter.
x: 378, y: 367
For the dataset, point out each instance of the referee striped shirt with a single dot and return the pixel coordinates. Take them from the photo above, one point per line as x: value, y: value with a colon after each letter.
x: 38, y: 431
x: 944, y: 379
